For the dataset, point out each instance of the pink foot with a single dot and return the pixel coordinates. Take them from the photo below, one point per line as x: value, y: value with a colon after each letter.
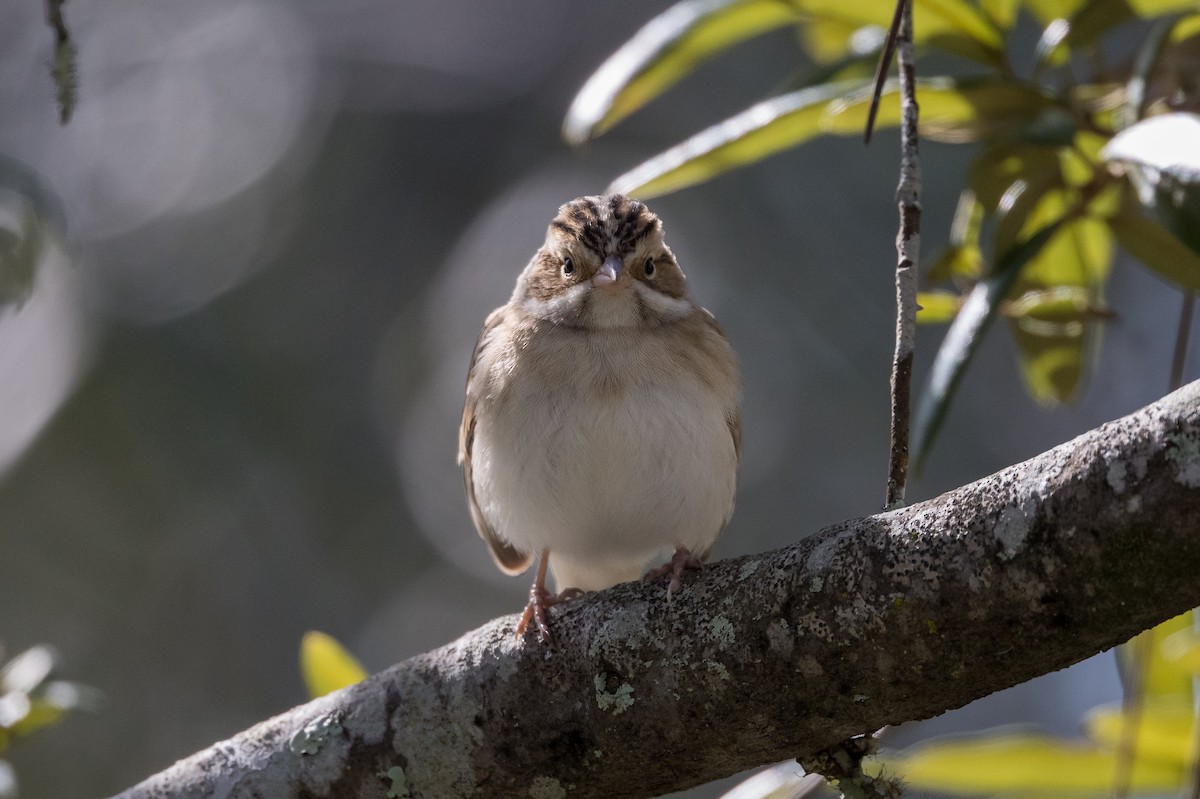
x: 681, y: 560
x: 540, y: 599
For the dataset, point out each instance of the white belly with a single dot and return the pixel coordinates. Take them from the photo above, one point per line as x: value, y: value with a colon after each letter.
x: 605, y: 481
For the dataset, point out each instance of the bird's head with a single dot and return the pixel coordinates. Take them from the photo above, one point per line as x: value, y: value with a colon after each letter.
x: 604, y: 265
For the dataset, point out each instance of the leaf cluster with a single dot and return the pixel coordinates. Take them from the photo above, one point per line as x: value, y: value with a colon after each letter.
x: 1073, y: 155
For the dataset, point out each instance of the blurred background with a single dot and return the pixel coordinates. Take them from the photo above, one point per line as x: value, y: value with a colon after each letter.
x: 229, y: 403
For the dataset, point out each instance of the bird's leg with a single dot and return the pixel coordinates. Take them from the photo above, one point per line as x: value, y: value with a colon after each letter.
x: 681, y: 560
x: 540, y: 599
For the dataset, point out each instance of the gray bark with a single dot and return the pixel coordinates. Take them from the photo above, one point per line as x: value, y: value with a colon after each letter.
x: 874, y: 621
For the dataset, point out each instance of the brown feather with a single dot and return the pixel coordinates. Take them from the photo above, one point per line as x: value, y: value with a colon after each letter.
x: 507, y: 557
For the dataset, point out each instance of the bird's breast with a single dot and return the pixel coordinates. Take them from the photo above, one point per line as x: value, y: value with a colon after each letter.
x: 598, y: 444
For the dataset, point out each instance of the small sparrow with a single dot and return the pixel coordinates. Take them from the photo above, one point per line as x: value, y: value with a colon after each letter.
x: 601, y: 425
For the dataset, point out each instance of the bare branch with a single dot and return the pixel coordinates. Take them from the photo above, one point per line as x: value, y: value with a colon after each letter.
x: 908, y: 248
x: 874, y: 621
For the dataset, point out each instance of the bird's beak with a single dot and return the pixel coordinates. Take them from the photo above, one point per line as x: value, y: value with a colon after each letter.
x: 608, y: 272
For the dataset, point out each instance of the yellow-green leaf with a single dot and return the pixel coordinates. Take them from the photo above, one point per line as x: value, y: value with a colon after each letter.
x: 1166, y: 730
x: 1181, y: 649
x: 1048, y: 10
x: 937, y: 306
x: 1157, y: 8
x: 952, y: 25
x: 1163, y: 677
x: 1053, y: 353
x: 665, y: 50
x: 1157, y: 248
x: 1018, y: 762
x: 997, y: 168
x: 762, y: 130
x: 827, y: 39
x: 1002, y: 12
x: 1186, y: 28
x: 951, y: 110
x: 960, y: 263
x: 326, y: 665
x: 964, y: 336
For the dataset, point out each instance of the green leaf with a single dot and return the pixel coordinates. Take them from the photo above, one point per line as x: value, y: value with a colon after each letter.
x: 955, y: 263
x: 1055, y: 346
x: 1156, y: 248
x: 964, y: 336
x: 1162, y: 677
x: 675, y: 42
x: 1157, y: 8
x: 1163, y: 164
x: 950, y: 110
x: 762, y: 130
x: 993, y: 172
x: 1002, y: 12
x: 666, y: 49
x: 936, y: 307
x: 1024, y: 762
x: 326, y: 665
x: 1047, y: 11
x: 951, y: 25
x: 1165, y: 730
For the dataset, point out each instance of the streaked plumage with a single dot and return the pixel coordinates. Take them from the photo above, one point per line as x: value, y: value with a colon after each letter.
x: 601, y: 420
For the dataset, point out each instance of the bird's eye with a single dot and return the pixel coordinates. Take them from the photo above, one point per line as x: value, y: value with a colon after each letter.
x: 568, y: 266
x: 649, y: 267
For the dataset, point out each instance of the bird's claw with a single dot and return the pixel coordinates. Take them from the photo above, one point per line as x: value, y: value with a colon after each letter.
x: 682, y: 560
x: 535, y: 610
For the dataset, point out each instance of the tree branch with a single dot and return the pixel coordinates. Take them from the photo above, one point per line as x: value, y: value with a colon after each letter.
x: 908, y: 248
x: 874, y: 621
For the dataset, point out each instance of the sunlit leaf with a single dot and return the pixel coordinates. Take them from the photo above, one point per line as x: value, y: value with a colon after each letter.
x: 1166, y: 142
x: 1166, y: 730
x: 1162, y: 677
x: 1002, y: 12
x: 27, y: 670
x: 1094, y: 18
x: 1053, y: 353
x: 952, y: 25
x: 1157, y: 248
x: 998, y: 167
x: 1048, y: 10
x: 1156, y: 8
x: 937, y: 307
x: 669, y: 47
x: 1182, y: 650
x: 754, y: 134
x: 326, y: 665
x: 956, y: 263
x: 951, y: 110
x: 672, y: 44
x: 827, y: 39
x: 1024, y: 762
x: 1186, y: 28
x: 964, y: 336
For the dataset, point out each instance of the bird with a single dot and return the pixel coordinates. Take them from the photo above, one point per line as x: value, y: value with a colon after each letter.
x: 602, y: 425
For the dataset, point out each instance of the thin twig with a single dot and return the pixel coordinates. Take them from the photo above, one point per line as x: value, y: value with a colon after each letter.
x: 63, y: 70
x: 908, y: 246
x: 885, y: 64
x: 54, y: 18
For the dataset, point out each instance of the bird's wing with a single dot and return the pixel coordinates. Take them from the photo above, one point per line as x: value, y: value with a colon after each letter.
x: 508, y: 558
